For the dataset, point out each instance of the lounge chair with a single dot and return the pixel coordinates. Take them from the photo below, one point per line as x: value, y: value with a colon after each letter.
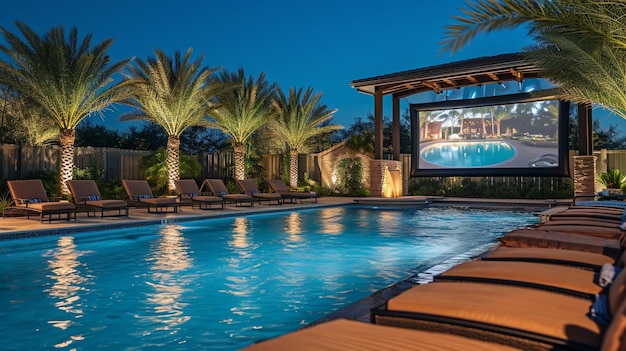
x: 249, y: 187
x: 346, y: 335
x: 86, y: 195
x: 278, y: 186
x: 585, y: 260
x: 190, y: 194
x: 140, y: 195
x: 217, y: 188
x: 562, y: 240
x: 512, y: 315
x: 563, y: 279
x: 30, y: 196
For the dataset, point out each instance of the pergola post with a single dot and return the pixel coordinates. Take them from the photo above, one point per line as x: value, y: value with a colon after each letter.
x: 395, y: 134
x: 378, y: 123
x: 585, y: 163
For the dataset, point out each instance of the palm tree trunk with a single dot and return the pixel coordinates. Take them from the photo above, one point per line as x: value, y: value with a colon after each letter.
x: 240, y: 166
x: 66, y: 139
x: 173, y: 166
x: 293, y: 168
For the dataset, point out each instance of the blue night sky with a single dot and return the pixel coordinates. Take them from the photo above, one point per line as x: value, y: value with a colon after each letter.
x: 323, y: 44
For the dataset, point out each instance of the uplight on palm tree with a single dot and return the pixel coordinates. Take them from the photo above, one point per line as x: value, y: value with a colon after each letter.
x: 299, y: 117
x: 174, y: 93
x: 67, y: 77
x: 243, y: 110
x: 580, y: 44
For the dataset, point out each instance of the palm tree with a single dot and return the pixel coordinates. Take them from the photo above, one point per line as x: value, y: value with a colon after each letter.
x: 299, y: 117
x: 66, y: 77
x: 243, y: 110
x: 173, y: 93
x: 580, y: 45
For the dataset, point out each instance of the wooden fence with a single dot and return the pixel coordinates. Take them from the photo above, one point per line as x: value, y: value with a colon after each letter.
x: 19, y: 161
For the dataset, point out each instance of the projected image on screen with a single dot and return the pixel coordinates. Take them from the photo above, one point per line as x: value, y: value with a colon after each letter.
x: 498, y: 139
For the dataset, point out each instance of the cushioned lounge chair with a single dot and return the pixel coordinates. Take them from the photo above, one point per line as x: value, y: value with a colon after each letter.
x: 278, y: 186
x: 346, y: 335
x: 86, y: 195
x: 140, y: 195
x: 531, y: 238
x: 190, y: 194
x: 597, y: 228
x: 511, y: 315
x: 563, y: 279
x: 217, y: 188
x: 249, y: 187
x: 573, y: 258
x: 30, y: 196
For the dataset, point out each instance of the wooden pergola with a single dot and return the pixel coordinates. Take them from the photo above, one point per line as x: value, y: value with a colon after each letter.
x: 454, y: 75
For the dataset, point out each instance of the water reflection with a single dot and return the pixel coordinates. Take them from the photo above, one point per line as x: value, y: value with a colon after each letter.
x: 169, y: 257
x: 330, y: 220
x: 240, y: 232
x: 67, y: 283
x: 293, y: 227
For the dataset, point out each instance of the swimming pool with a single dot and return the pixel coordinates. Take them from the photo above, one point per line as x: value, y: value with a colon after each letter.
x: 468, y: 153
x: 220, y: 284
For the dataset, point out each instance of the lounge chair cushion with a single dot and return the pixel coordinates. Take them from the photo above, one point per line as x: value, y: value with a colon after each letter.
x: 546, y: 313
x: 562, y: 240
x: 345, y: 335
x: 550, y: 255
x: 52, y: 206
x: 540, y: 274
x: 107, y: 204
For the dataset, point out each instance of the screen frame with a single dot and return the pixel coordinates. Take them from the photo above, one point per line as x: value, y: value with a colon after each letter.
x: 562, y: 144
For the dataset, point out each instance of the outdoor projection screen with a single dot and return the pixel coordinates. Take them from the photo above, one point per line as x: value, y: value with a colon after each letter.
x: 511, y: 135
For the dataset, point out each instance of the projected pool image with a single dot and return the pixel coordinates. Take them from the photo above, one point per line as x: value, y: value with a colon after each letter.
x: 468, y: 153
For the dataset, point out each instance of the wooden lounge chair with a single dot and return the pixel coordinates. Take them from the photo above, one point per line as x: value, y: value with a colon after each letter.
x: 189, y: 193
x: 217, y: 188
x: 278, y: 186
x: 140, y: 195
x: 513, y: 315
x: 249, y: 187
x: 30, y: 196
x: 86, y: 195
x: 346, y: 335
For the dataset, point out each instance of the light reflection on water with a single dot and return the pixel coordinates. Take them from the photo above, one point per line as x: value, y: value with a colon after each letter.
x: 68, y: 282
x: 225, y: 283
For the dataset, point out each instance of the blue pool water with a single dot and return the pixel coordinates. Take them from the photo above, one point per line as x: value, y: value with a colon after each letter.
x: 220, y: 284
x: 467, y: 154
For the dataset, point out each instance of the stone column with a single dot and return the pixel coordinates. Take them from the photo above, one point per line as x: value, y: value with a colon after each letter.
x: 584, y: 177
x: 385, y: 178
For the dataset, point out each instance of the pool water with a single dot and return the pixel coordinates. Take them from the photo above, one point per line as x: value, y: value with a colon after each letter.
x: 467, y: 154
x: 220, y: 284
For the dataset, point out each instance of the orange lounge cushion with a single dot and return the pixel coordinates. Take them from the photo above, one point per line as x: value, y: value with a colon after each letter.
x: 580, y: 228
x: 107, y: 203
x: 52, y: 206
x: 541, y: 312
x: 560, y: 240
x: 344, y: 335
x: 202, y: 198
x: 564, y: 277
x: 159, y: 201
x: 554, y: 255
